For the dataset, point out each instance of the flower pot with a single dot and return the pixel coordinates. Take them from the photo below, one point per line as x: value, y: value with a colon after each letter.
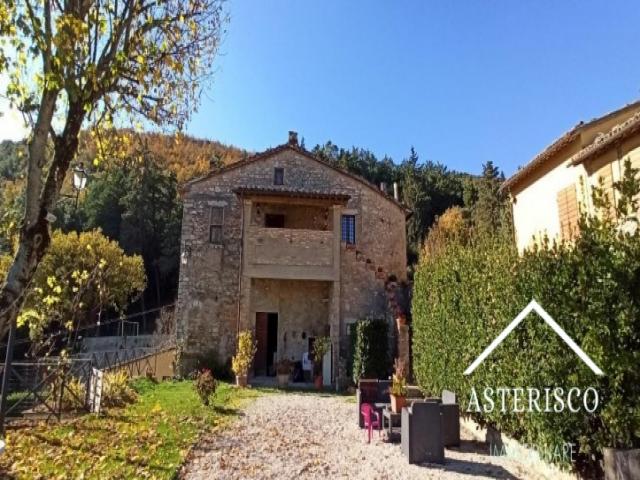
x: 401, y: 321
x: 397, y: 403
x: 318, y: 382
x: 241, y: 381
x: 283, y: 379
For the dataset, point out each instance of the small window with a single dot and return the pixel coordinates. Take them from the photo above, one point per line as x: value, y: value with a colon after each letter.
x: 272, y: 220
x: 216, y: 219
x: 349, y: 229
x: 278, y: 176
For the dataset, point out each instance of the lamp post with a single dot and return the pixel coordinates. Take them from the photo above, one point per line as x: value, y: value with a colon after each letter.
x: 79, y: 180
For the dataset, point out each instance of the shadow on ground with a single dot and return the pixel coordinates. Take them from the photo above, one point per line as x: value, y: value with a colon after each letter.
x: 471, y: 468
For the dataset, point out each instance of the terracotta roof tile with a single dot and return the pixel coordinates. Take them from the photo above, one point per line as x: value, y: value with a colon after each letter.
x: 603, y: 142
x: 292, y: 192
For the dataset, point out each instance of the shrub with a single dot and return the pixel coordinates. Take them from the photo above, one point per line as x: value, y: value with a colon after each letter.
x: 470, y: 291
x: 371, y: 349
x: 244, y: 356
x: 211, y: 361
x: 116, y: 389
x: 320, y: 348
x: 205, y: 385
x: 73, y: 394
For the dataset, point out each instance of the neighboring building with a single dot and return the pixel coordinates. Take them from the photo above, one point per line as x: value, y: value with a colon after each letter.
x: 548, y: 193
x: 288, y: 246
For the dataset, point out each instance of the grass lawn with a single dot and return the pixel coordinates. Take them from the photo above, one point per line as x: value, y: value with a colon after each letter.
x: 147, y: 439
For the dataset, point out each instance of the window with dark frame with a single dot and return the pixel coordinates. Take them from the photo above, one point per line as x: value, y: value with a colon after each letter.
x: 278, y: 176
x: 348, y: 224
x: 216, y: 219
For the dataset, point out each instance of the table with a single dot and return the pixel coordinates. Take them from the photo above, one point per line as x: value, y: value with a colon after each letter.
x: 390, y: 416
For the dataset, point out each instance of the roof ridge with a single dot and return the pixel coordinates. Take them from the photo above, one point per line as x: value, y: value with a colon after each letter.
x: 303, y: 151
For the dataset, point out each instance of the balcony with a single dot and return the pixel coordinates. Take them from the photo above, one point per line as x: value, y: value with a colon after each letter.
x: 289, y: 253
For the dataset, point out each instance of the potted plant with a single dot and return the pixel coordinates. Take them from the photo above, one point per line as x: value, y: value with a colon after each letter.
x: 283, y: 370
x: 398, y: 389
x: 242, y: 360
x: 320, y: 348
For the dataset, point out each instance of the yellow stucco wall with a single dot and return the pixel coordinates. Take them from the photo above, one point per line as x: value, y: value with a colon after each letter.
x: 535, y: 209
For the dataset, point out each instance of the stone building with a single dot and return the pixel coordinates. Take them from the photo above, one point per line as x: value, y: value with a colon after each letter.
x: 288, y: 246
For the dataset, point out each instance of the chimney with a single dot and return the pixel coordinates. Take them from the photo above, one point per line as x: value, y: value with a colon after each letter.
x: 293, y: 138
x: 383, y: 186
x: 396, y: 191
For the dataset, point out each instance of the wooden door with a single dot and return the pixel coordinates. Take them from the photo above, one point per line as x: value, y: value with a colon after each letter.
x: 260, y: 360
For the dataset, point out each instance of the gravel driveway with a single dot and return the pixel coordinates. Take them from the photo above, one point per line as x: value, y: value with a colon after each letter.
x: 314, y: 436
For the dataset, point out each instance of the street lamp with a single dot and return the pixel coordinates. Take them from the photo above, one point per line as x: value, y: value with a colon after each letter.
x: 79, y: 180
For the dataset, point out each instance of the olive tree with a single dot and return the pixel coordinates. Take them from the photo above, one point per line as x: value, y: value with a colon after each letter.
x: 94, y: 64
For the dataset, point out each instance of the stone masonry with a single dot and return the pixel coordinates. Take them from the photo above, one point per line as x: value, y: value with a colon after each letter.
x: 300, y: 270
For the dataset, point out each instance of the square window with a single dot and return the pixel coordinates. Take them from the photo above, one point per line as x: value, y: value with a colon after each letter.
x: 278, y: 176
x: 348, y: 224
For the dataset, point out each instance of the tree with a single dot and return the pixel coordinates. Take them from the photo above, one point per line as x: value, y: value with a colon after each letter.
x: 74, y: 64
x: 80, y: 276
x: 490, y: 213
x: 11, y: 207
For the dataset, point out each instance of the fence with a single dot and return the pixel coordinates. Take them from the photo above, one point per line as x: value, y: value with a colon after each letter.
x: 45, y: 388
x: 156, y: 362
x: 53, y: 387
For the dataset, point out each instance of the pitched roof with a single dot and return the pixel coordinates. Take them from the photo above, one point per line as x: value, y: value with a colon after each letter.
x: 606, y: 140
x: 566, y: 139
x: 301, y: 151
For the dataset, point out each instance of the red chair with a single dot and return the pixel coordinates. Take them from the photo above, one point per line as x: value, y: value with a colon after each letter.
x: 371, y: 419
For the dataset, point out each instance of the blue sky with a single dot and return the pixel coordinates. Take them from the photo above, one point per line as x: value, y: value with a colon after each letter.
x: 464, y: 82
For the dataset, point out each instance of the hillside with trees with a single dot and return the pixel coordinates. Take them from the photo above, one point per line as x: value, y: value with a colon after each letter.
x: 134, y: 199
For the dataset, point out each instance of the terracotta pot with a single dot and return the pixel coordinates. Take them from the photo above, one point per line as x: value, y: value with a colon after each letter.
x: 241, y: 381
x: 283, y: 379
x: 397, y: 403
x: 318, y: 382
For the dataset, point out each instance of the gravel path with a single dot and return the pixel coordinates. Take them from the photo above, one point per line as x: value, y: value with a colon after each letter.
x: 294, y: 436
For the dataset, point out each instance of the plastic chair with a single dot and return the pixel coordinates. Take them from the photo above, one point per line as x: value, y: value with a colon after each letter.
x: 371, y: 419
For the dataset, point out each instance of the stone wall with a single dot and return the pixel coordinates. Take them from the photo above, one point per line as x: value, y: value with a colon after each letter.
x: 211, y: 296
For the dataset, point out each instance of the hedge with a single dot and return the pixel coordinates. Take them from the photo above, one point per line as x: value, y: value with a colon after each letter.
x: 370, y: 349
x: 468, y: 293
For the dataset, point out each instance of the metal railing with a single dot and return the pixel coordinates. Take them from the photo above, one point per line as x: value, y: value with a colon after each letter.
x: 45, y: 388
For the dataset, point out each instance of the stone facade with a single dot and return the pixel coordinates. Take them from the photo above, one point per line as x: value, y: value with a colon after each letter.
x: 301, y: 270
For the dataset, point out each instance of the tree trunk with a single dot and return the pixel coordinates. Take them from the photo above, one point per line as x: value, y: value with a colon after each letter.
x: 34, y: 234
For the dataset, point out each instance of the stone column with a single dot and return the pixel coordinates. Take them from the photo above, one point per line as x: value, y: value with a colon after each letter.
x: 244, y: 310
x: 334, y: 305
